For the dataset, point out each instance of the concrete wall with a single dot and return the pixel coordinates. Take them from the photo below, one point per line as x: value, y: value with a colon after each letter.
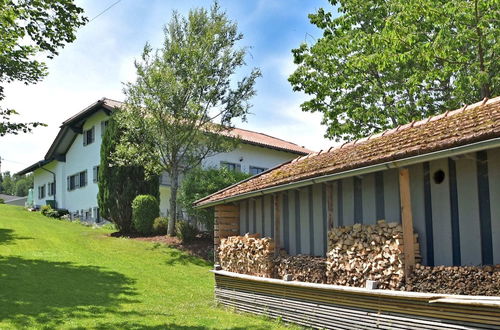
x: 458, y: 219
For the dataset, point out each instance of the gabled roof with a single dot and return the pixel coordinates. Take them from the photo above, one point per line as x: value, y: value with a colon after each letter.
x: 471, y: 124
x: 72, y: 126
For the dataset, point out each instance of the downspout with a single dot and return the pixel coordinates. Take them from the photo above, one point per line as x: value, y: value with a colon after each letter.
x: 54, y: 176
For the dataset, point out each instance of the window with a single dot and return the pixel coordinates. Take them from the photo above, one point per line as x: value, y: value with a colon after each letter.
x: 88, y: 136
x: 104, y: 125
x: 256, y: 170
x: 41, y: 191
x: 51, y: 189
x: 95, y: 171
x: 231, y: 166
x: 77, y: 180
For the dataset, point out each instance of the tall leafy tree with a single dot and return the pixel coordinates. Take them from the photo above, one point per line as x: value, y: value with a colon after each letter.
x: 120, y: 184
x: 203, y: 182
x: 383, y: 63
x: 185, y: 97
x: 30, y: 28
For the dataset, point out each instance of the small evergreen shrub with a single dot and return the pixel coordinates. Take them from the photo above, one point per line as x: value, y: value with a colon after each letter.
x: 185, y: 231
x: 145, y: 209
x: 2, y: 201
x: 160, y: 226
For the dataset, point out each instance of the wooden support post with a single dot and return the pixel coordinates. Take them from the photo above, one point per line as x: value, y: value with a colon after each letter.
x: 407, y: 219
x: 277, y: 223
x: 227, y: 223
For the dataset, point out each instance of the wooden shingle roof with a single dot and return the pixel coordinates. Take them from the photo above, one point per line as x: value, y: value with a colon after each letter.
x: 472, y: 123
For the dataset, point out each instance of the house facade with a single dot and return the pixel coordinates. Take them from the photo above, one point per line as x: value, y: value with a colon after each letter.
x: 67, y: 177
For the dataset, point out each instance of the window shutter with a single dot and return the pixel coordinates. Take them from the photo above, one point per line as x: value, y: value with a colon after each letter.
x: 84, y: 138
x: 67, y: 184
x: 92, y: 134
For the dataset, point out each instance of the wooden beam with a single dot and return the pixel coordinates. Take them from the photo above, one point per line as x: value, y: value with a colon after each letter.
x: 407, y: 219
x: 227, y: 223
x: 277, y: 223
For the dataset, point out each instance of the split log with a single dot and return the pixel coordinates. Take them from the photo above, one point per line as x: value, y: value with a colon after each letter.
x: 464, y: 280
x: 368, y: 252
x: 302, y: 268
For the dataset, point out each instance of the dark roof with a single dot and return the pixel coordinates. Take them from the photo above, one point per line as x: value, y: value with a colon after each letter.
x: 473, y: 123
x: 8, y: 198
x: 73, y: 126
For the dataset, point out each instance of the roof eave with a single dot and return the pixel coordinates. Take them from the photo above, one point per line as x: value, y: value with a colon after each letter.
x: 403, y: 162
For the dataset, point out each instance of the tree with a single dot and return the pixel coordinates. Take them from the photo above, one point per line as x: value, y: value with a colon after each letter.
x: 385, y: 63
x: 203, y: 182
x: 23, y: 184
x: 120, y: 184
x: 181, y: 106
x: 7, y: 183
x: 29, y: 28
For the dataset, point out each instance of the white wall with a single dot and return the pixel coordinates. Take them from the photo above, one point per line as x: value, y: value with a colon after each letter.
x: 43, y: 177
x: 249, y: 155
x: 80, y: 158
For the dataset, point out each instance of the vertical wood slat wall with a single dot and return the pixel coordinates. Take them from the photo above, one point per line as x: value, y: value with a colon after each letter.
x: 461, y: 228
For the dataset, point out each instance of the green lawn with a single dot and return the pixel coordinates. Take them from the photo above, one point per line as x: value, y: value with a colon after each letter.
x: 65, y: 275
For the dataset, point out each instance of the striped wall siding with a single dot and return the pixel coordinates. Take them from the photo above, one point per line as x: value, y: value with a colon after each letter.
x: 458, y: 220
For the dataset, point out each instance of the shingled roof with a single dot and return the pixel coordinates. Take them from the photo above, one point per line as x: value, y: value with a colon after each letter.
x: 470, y: 124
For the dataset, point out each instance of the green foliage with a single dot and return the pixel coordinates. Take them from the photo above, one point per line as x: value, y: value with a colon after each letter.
x: 160, y: 225
x: 185, y: 231
x: 380, y: 64
x: 182, y: 104
x: 48, y: 211
x: 120, y: 184
x: 145, y: 209
x: 203, y: 182
x: 2, y: 201
x: 31, y: 29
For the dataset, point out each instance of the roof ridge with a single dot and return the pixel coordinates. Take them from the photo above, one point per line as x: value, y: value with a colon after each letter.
x: 273, y: 137
x: 414, y: 123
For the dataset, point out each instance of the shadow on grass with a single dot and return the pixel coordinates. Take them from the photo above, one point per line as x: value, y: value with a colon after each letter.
x: 7, y: 236
x: 39, y: 292
x: 179, y: 257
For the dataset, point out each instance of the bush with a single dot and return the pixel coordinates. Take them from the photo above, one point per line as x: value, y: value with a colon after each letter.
x: 160, y: 226
x: 45, y: 210
x: 185, y: 231
x: 2, y: 201
x: 203, y: 182
x: 48, y: 211
x: 145, y: 209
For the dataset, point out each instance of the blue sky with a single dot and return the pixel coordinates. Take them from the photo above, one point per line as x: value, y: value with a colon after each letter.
x: 101, y: 58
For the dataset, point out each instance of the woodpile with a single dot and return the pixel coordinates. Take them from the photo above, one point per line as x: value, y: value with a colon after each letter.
x: 247, y: 254
x: 465, y: 280
x: 367, y: 252
x: 301, y: 267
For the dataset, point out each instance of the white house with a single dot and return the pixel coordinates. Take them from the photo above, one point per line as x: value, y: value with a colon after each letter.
x: 67, y: 176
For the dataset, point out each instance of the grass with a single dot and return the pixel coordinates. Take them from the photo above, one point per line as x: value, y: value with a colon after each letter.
x: 57, y: 274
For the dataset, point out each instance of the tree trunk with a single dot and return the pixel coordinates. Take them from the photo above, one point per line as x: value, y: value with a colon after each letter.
x: 174, y: 186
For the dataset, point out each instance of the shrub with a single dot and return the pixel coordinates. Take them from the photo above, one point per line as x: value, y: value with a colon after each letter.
x: 2, y: 201
x: 145, y: 209
x: 186, y: 231
x: 203, y: 182
x: 45, y: 210
x: 160, y: 226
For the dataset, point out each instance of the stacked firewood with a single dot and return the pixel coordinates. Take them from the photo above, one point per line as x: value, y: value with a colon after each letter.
x: 367, y: 252
x: 247, y: 254
x: 301, y: 268
x: 466, y: 280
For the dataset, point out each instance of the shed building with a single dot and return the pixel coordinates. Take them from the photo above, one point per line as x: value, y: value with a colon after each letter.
x: 439, y: 176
